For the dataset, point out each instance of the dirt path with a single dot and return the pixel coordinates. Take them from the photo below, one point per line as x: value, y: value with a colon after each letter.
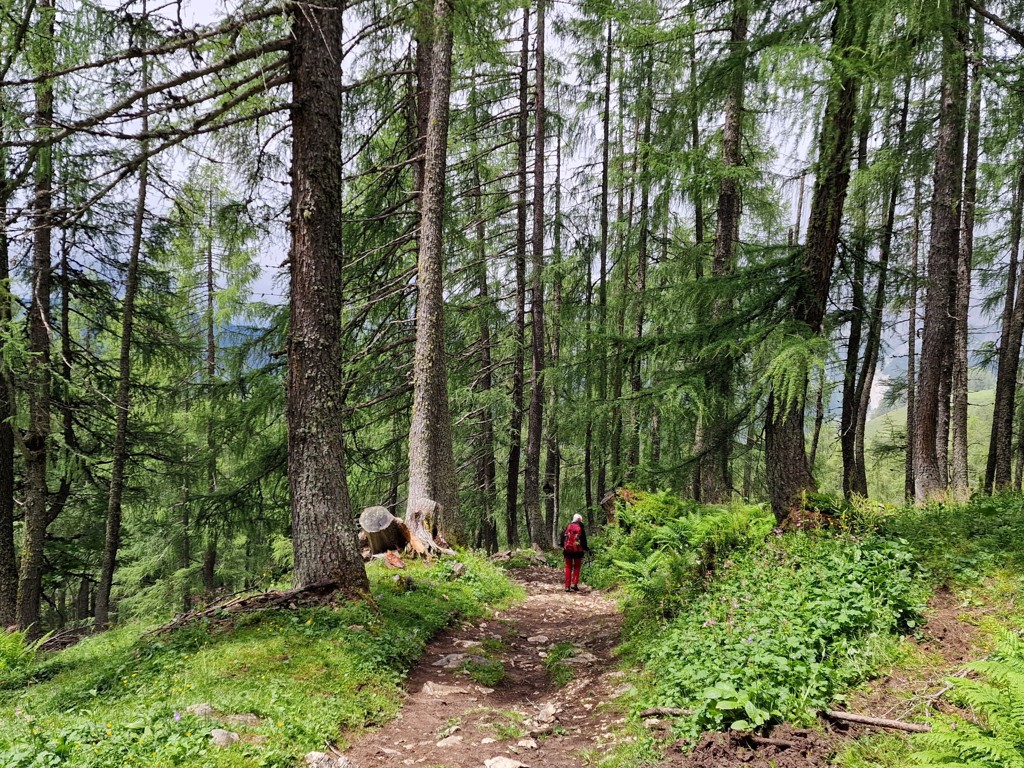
x: 451, y: 721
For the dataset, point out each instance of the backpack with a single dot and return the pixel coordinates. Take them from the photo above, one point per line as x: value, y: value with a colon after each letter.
x: 572, y: 538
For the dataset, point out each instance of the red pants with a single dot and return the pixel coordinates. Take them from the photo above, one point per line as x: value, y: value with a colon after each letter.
x: 572, y: 571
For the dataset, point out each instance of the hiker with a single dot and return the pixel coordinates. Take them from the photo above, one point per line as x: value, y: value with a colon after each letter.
x: 574, y: 546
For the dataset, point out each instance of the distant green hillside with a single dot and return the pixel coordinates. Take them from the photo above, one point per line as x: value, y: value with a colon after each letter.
x: 885, y: 439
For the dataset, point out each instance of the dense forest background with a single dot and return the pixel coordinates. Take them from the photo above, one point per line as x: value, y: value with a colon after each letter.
x: 267, y: 268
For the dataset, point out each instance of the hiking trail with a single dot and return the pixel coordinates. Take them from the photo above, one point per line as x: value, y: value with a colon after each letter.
x: 527, y: 719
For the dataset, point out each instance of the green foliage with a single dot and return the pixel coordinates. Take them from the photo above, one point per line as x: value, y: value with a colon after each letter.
x: 120, y: 698
x: 561, y: 673
x: 959, y: 544
x: 782, y: 629
x: 664, y: 547
x: 486, y: 672
x: 17, y: 654
x: 994, y: 735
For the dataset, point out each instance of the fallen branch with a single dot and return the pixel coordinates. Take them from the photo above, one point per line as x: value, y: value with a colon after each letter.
x: 666, y: 712
x: 878, y: 722
x: 767, y: 742
x: 249, y: 604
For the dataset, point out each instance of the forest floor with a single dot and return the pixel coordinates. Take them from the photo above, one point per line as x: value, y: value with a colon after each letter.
x: 546, y: 714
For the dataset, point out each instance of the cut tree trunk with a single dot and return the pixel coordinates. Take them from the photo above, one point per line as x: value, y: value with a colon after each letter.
x: 383, y: 530
x: 421, y: 523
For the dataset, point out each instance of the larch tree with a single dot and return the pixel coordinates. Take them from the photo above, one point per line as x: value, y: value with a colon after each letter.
x: 323, y: 528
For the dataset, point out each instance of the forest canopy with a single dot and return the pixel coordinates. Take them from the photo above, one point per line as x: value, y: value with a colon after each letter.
x: 482, y: 264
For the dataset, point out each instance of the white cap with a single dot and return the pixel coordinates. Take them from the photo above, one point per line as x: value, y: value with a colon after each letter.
x: 577, y: 518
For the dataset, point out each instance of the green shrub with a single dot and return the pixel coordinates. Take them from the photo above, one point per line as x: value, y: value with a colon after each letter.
x: 961, y: 544
x: 783, y: 627
x: 664, y: 549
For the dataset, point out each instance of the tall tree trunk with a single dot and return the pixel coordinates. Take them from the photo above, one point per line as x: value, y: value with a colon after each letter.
x: 915, y: 248
x: 713, y: 450
x: 519, y: 321
x: 486, y: 464
x: 37, y: 437
x: 960, y: 479
x: 642, y: 256
x: 602, y: 278
x: 210, y: 555
x: 431, y: 454
x: 324, y: 537
x: 531, y: 477
x: 552, y: 464
x: 943, y: 255
x: 1001, y: 443
x: 122, y: 403
x: 8, y: 554
x: 874, y: 341
x: 858, y: 312
x: 786, y: 467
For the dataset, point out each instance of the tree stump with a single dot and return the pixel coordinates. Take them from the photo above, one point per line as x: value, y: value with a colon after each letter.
x: 383, y: 530
x: 419, y: 520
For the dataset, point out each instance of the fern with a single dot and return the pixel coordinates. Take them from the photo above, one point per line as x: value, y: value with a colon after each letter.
x: 996, y: 699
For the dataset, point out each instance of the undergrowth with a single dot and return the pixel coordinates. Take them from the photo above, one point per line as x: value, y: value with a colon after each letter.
x: 121, y: 698
x: 993, y: 735
x: 743, y: 625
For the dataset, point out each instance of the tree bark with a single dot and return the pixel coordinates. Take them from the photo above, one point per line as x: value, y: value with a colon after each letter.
x: 486, y: 464
x: 383, y: 530
x: 519, y: 321
x: 960, y: 479
x: 122, y: 403
x: 8, y: 553
x: 858, y: 312
x: 915, y: 248
x: 324, y: 536
x: 786, y: 467
x: 1001, y: 443
x: 874, y: 340
x: 713, y: 450
x: 37, y: 437
x: 602, y: 278
x: 539, y: 535
x: 943, y: 256
x: 431, y: 454
x: 552, y: 464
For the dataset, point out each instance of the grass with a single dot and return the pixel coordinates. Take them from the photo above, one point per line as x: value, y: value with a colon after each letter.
x: 310, y: 675
x: 560, y: 672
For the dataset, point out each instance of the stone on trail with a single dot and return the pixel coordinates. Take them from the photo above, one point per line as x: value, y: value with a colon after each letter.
x: 504, y: 762
x: 200, y: 710
x: 323, y: 760
x: 537, y: 639
x: 436, y: 689
x: 450, y: 660
x: 222, y: 738
x: 449, y: 741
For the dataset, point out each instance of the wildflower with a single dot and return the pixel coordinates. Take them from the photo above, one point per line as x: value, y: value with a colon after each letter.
x: 177, y: 716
